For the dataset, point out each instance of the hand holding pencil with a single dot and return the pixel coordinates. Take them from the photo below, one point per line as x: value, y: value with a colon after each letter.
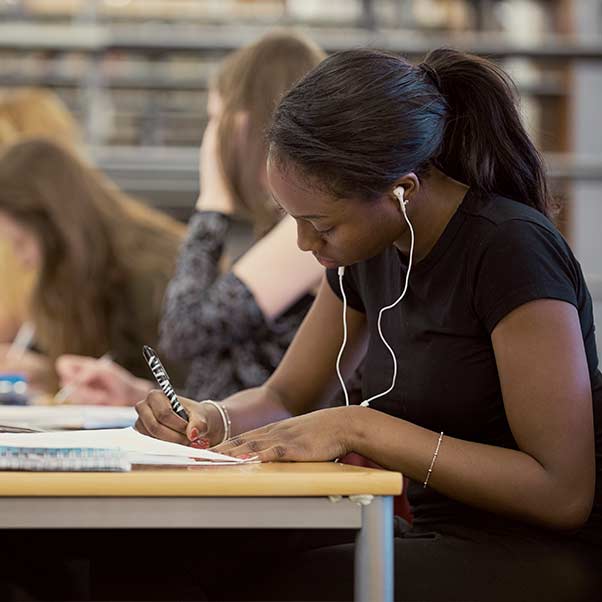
x: 87, y: 380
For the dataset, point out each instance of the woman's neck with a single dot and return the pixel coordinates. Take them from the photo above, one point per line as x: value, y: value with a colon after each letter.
x: 430, y: 211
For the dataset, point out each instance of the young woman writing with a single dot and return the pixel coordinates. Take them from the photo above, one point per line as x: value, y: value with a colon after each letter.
x: 423, y: 176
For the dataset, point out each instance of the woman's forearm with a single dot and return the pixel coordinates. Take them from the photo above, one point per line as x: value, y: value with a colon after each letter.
x: 254, y: 408
x: 495, y: 479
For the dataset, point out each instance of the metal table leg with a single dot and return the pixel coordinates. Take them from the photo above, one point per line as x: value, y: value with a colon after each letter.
x: 374, y: 576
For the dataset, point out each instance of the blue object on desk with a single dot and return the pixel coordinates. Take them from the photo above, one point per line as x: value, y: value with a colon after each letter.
x: 13, y: 389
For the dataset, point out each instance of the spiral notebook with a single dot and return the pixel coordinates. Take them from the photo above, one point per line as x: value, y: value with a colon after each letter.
x: 99, y: 450
x: 63, y: 459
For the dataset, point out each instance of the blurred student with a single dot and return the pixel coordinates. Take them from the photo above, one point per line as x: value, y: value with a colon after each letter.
x: 26, y: 112
x: 101, y: 266
x: 234, y: 324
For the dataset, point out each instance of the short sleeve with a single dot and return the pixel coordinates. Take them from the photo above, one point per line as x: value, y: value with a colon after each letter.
x: 350, y: 284
x: 522, y: 261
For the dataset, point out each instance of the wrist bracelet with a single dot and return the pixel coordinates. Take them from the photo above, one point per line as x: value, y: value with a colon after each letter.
x: 225, y: 418
x: 222, y: 406
x: 428, y: 474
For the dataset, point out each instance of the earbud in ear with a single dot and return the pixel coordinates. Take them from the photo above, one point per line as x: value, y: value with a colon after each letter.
x: 399, y: 192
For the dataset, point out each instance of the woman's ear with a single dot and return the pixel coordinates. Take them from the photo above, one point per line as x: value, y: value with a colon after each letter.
x: 410, y: 185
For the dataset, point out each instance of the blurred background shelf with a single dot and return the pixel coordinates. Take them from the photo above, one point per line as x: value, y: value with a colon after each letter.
x: 136, y: 72
x: 223, y: 38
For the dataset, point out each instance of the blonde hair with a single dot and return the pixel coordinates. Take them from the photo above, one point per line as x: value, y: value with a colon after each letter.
x: 252, y: 80
x: 105, y: 262
x: 26, y: 112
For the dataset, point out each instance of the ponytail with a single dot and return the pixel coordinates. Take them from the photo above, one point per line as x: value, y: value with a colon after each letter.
x: 485, y: 145
x: 363, y: 118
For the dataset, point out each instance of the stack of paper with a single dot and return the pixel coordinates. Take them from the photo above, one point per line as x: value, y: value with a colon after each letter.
x: 140, y: 448
x: 67, y: 417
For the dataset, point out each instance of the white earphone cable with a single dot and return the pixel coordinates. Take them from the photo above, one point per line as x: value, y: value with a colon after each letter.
x: 341, y: 272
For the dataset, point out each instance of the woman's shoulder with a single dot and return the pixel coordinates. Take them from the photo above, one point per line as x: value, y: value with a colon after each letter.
x: 497, y: 223
x: 493, y: 210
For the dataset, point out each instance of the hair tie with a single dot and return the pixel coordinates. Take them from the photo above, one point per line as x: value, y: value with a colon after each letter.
x: 431, y: 74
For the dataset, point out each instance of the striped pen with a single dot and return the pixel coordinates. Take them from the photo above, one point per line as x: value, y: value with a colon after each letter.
x: 154, y: 363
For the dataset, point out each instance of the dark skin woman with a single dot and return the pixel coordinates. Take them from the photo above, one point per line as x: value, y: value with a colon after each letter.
x: 498, y: 386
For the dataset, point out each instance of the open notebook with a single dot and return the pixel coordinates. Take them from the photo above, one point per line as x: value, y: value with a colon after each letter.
x: 127, y: 444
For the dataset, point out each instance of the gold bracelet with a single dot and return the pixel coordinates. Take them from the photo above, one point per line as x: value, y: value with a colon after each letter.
x: 428, y: 474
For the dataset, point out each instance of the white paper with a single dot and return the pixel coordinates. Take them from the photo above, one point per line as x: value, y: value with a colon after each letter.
x: 125, y: 439
x: 159, y: 460
x: 68, y: 416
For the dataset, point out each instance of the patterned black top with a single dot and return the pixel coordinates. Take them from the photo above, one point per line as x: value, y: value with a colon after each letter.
x: 212, y: 320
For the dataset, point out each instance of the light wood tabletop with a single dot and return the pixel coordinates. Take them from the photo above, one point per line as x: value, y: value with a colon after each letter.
x: 246, y: 480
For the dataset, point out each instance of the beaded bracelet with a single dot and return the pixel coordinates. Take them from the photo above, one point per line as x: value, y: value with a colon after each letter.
x: 223, y: 412
x: 428, y: 474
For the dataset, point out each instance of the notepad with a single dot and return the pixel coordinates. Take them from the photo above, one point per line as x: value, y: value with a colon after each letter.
x: 41, y: 459
x: 139, y: 448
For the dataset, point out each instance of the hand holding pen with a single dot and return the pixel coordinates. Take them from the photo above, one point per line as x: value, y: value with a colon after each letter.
x: 199, y: 426
x: 162, y: 378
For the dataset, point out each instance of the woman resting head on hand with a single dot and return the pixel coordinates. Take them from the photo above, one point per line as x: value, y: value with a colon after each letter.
x: 233, y: 323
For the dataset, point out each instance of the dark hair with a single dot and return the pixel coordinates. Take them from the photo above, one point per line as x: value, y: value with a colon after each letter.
x: 364, y: 118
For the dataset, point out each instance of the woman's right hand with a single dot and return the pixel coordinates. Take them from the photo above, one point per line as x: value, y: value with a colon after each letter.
x: 100, y: 381
x: 157, y: 419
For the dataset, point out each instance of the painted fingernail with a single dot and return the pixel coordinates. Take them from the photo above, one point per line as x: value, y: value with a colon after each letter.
x: 202, y: 443
x: 248, y: 457
x: 194, y: 434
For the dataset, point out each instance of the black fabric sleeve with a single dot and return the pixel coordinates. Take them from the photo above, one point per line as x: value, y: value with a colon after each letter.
x: 522, y: 261
x: 350, y: 285
x: 205, y: 310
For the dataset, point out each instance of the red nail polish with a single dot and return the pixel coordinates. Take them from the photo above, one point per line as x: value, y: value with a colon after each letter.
x: 194, y: 434
x: 202, y: 443
x: 247, y: 456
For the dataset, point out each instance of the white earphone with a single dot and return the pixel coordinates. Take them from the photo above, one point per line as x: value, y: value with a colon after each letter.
x: 399, y: 193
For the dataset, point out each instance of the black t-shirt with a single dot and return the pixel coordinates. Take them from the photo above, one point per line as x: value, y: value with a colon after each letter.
x: 494, y: 255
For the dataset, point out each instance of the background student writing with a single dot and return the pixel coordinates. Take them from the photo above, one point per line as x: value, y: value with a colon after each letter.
x: 102, y: 262
x: 495, y: 412
x: 27, y: 112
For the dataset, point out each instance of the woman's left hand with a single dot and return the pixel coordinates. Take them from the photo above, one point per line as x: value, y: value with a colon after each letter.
x: 319, y: 436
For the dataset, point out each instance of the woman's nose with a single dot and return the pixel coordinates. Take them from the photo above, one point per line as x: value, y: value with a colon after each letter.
x: 307, y: 238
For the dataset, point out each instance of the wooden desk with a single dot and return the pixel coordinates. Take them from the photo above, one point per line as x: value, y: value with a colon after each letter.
x: 295, y: 495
